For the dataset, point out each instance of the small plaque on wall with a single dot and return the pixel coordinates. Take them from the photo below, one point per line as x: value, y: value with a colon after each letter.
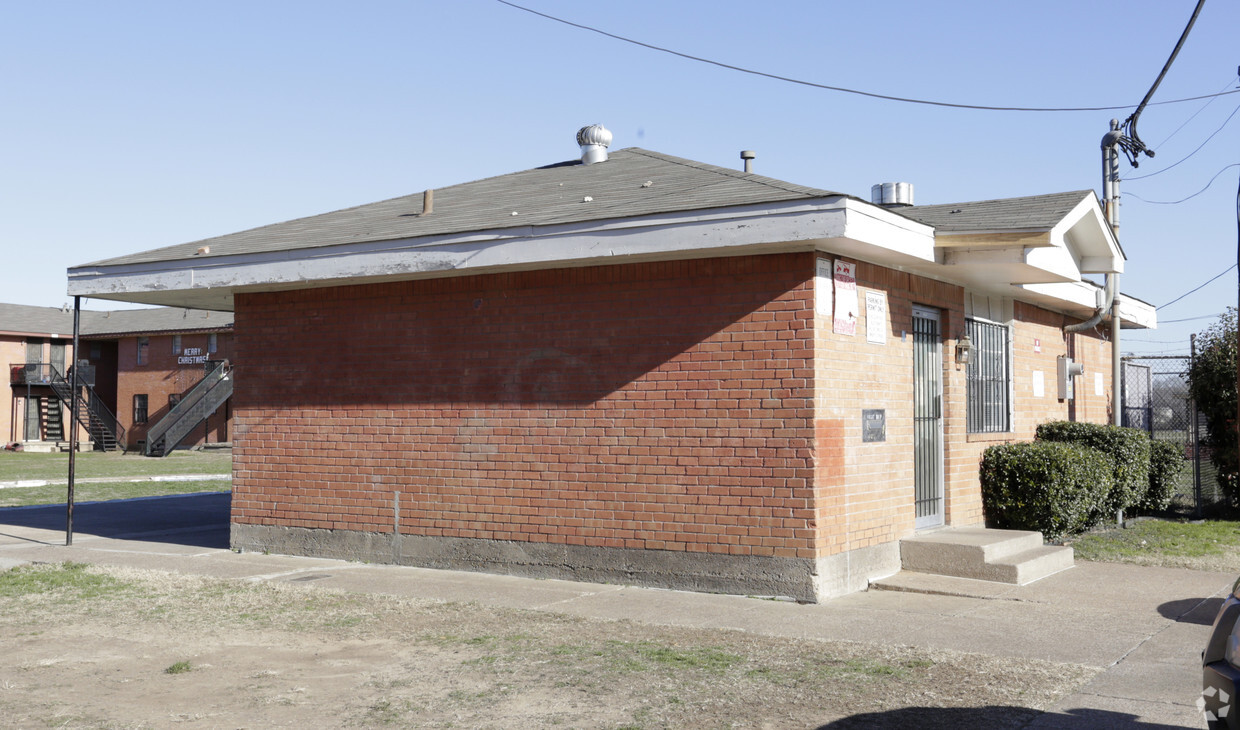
x: 873, y: 425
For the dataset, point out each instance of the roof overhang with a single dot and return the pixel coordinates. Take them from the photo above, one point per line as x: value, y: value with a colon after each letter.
x: 839, y: 224
x: 1079, y: 244
x: 1081, y: 299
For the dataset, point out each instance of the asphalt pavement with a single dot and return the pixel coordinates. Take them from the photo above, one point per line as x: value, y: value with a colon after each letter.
x: 1145, y: 627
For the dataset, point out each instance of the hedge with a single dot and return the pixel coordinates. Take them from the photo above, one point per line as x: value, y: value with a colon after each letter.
x: 1128, y: 450
x: 1166, y: 464
x: 1051, y: 487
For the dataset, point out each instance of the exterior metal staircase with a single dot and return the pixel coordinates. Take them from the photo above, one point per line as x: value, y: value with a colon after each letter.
x: 201, y: 401
x: 104, y: 428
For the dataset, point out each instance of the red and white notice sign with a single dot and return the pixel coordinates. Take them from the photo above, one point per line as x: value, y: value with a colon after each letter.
x: 846, y: 302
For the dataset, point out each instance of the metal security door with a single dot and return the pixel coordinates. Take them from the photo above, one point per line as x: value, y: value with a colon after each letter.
x: 927, y: 419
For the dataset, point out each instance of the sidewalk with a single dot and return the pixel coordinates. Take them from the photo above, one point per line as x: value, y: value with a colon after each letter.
x: 114, y: 480
x: 1145, y: 626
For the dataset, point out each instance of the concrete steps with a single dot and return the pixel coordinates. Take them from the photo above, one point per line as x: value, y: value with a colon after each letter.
x: 977, y: 553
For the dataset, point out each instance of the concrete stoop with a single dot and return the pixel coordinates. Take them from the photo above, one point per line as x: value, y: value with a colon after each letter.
x: 1002, y: 556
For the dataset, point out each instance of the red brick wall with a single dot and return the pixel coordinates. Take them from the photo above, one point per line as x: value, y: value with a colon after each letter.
x: 162, y: 376
x: 1037, y: 340
x: 866, y: 489
x: 658, y: 406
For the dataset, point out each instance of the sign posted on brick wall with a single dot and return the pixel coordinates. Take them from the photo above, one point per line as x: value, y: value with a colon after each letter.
x: 876, y: 317
x: 192, y: 356
x: 846, y: 302
x: 822, y: 287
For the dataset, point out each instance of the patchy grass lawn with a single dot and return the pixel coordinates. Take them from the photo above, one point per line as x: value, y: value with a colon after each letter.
x: 95, y: 646
x: 15, y: 466
x: 1212, y: 545
x: 102, y: 492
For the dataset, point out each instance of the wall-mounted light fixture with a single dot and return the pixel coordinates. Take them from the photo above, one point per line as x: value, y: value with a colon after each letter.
x: 964, y: 350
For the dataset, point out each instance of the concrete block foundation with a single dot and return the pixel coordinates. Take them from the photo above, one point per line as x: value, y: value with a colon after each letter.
x: 691, y: 571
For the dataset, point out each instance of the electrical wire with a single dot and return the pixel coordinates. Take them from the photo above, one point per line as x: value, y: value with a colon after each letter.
x: 1130, y: 142
x: 1218, y: 276
x: 1200, y: 109
x: 1189, y: 319
x: 1190, y: 154
x: 1181, y: 200
x: 858, y: 92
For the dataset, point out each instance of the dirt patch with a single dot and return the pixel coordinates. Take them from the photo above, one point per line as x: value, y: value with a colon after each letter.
x: 118, y: 648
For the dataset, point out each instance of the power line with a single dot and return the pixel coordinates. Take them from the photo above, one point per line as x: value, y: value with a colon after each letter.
x: 1190, y: 154
x: 1220, y: 275
x: 1190, y: 319
x: 844, y: 90
x: 1130, y: 142
x: 1181, y: 200
x: 1185, y: 123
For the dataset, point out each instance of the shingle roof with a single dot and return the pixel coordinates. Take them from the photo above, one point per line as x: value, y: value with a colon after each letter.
x: 53, y: 320
x: 161, y: 319
x: 1033, y: 213
x: 35, y: 320
x: 542, y: 196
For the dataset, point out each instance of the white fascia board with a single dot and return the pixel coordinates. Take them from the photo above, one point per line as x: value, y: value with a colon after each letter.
x: 1085, y: 232
x: 1137, y: 313
x: 1083, y: 296
x: 794, y: 225
x: 1036, y: 264
x: 873, y: 233
x: 839, y: 224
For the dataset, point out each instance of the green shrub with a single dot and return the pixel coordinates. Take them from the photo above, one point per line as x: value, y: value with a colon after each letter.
x: 1166, y: 464
x: 1212, y: 383
x: 1047, y: 486
x: 1127, y: 448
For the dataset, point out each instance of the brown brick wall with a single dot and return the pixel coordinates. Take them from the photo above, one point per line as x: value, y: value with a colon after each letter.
x: 657, y: 406
x: 162, y: 376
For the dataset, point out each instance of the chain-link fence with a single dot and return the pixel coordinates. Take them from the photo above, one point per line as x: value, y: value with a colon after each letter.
x: 1156, y: 400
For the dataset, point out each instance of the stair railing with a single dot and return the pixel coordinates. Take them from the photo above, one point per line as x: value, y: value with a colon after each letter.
x: 186, y: 409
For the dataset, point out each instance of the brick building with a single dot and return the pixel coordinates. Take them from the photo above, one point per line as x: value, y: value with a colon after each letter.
x: 136, y: 364
x: 642, y: 369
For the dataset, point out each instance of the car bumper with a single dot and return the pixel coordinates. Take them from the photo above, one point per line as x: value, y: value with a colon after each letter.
x: 1219, y: 696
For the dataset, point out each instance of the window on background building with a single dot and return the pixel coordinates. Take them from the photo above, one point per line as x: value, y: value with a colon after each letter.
x: 173, y: 399
x: 212, y: 343
x: 989, y: 378
x: 139, y: 408
x: 176, y: 344
x: 96, y: 351
x: 144, y: 350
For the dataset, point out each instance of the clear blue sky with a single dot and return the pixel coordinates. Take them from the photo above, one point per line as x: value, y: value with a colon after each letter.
x: 128, y: 126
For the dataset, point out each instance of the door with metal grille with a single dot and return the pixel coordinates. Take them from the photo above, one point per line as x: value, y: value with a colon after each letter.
x: 927, y: 418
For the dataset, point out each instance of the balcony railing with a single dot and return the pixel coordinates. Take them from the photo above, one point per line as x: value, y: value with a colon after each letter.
x: 44, y: 373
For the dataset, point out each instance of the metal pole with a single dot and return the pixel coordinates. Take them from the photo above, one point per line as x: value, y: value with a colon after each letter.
x: 1192, y: 410
x: 1110, y: 190
x: 73, y: 424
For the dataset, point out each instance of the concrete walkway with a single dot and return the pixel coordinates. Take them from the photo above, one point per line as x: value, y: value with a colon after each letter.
x: 1145, y: 626
x: 114, y: 480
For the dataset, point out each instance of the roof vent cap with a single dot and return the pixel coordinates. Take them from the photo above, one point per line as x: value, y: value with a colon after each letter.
x: 892, y: 195
x: 594, y: 141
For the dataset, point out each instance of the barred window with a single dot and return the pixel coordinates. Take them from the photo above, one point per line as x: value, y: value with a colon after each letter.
x: 989, y: 377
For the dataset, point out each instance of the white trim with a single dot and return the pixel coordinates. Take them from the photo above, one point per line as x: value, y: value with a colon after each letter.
x: 840, y: 225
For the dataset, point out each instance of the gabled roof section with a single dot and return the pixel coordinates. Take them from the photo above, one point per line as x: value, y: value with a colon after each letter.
x: 632, y: 182
x: 1030, y: 213
x: 28, y: 321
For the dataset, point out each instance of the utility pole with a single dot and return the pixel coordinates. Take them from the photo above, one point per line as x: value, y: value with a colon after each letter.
x: 1110, y: 201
